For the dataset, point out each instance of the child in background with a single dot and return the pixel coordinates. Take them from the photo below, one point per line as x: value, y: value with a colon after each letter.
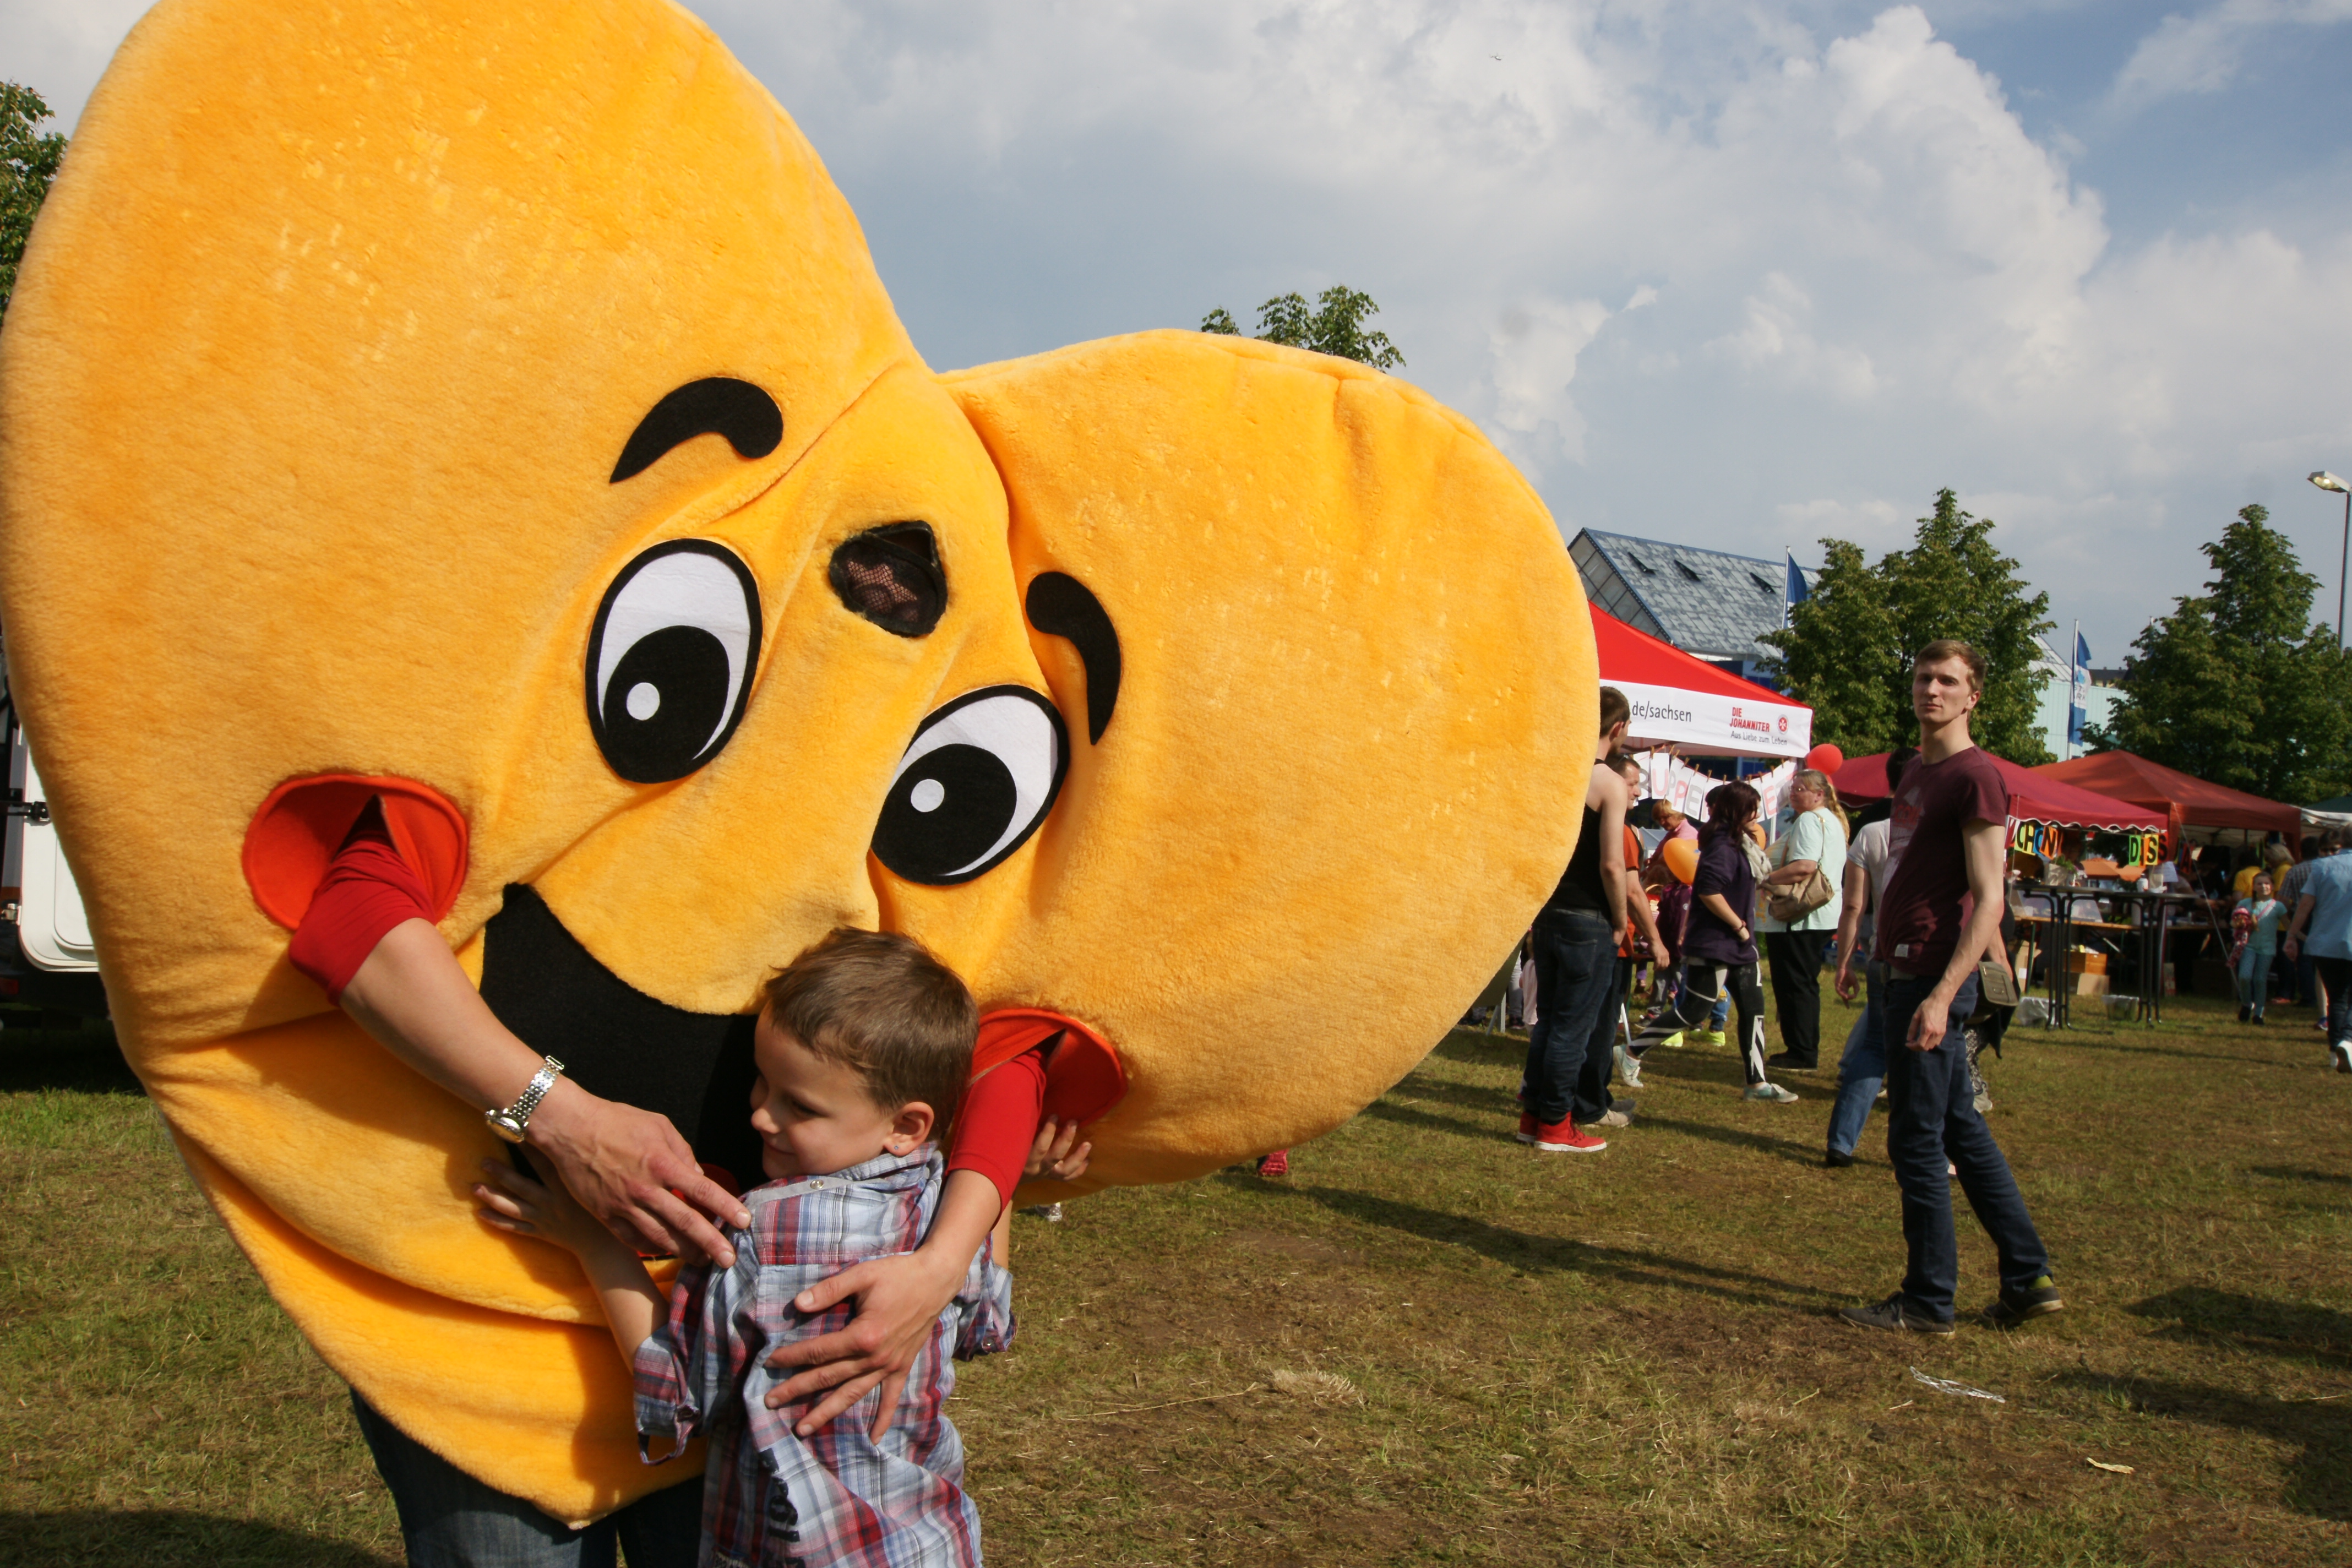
x: 2258, y: 916
x: 863, y: 1045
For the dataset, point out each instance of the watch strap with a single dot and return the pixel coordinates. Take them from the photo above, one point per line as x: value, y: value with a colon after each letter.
x: 512, y: 1122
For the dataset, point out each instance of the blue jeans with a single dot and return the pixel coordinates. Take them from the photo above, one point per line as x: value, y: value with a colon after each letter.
x: 1576, y: 974
x: 1863, y: 1067
x: 449, y: 1519
x: 2255, y: 977
x: 1931, y: 1116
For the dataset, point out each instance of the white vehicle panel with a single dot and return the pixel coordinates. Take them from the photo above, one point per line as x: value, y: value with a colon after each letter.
x: 51, y: 924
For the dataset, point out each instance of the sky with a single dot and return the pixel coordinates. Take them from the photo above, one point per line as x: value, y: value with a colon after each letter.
x: 1735, y: 273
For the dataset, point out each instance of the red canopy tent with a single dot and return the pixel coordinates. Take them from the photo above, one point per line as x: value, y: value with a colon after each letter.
x: 1689, y: 704
x: 2033, y: 796
x: 2185, y: 802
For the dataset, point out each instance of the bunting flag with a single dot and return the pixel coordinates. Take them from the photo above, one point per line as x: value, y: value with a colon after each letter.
x: 1668, y: 778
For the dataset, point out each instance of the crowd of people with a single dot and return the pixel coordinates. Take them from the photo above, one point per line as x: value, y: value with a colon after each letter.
x: 1913, y: 908
x: 1917, y: 911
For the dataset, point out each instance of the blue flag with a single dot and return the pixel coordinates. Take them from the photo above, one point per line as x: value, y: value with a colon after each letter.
x: 2075, y: 715
x: 1797, y: 593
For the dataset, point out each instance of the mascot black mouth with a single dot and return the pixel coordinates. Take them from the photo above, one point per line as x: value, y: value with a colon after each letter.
x: 615, y: 1041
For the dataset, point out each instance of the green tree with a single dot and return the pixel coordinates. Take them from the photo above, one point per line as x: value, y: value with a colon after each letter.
x: 2237, y: 685
x: 1333, y: 325
x: 1847, y: 649
x: 1841, y: 653
x: 28, y: 161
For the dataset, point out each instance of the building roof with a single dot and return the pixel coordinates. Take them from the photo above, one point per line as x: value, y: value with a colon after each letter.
x: 1706, y: 601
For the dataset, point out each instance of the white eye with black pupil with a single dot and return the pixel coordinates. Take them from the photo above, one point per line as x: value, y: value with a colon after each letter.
x: 979, y: 777
x: 670, y: 659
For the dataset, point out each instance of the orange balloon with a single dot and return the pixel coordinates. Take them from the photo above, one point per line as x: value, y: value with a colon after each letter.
x: 1682, y: 859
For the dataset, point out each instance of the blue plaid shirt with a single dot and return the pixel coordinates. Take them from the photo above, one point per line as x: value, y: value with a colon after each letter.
x: 771, y: 1497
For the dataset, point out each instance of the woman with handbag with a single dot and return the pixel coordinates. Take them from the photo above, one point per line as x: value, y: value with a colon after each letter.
x: 1801, y: 906
x: 1719, y: 947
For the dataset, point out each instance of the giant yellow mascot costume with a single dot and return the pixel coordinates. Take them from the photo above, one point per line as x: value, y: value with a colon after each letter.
x: 493, y: 405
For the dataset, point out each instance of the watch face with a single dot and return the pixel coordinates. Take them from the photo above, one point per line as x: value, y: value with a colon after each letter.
x: 505, y: 1125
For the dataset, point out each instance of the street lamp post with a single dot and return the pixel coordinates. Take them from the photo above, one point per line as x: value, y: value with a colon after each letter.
x: 2328, y: 481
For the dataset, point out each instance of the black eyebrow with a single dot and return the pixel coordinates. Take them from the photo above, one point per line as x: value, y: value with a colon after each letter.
x: 1062, y: 606
x: 714, y: 405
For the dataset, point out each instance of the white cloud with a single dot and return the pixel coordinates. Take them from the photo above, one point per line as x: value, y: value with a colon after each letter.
x: 1775, y: 337
x: 1535, y: 348
x: 2202, y: 53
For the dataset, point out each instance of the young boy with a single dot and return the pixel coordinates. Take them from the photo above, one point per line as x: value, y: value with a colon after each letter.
x: 863, y: 1047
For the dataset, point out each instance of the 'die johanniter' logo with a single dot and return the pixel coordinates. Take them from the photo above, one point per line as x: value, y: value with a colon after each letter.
x: 1659, y: 711
x: 1740, y: 721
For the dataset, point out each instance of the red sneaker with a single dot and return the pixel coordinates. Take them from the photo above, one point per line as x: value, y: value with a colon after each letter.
x: 1527, y: 1132
x: 1565, y: 1137
x: 1275, y: 1165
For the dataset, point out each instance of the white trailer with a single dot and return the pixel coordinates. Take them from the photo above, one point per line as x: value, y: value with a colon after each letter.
x: 47, y: 960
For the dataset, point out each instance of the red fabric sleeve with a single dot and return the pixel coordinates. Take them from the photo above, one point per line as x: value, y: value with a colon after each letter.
x: 367, y: 890
x: 998, y: 1122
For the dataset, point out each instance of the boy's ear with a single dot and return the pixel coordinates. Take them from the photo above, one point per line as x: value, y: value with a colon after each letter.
x: 911, y: 1128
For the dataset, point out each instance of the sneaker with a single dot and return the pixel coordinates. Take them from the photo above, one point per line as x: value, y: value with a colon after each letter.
x: 2011, y: 1308
x: 1772, y: 1092
x: 1710, y: 1036
x: 2257, y: 1018
x: 1275, y: 1165
x: 1675, y: 1041
x: 1563, y: 1138
x: 1050, y: 1213
x: 1881, y: 1097
x: 2342, y: 1053
x: 1782, y: 1061
x: 1890, y: 1314
x: 2245, y: 1012
x: 1629, y: 1068
x: 1527, y: 1132
x: 1618, y: 1115
x: 1836, y: 1159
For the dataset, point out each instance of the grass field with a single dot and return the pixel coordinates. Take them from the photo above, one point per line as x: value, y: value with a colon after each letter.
x: 1626, y: 1358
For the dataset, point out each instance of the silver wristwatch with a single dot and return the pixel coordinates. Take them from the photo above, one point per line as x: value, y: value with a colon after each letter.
x: 514, y: 1122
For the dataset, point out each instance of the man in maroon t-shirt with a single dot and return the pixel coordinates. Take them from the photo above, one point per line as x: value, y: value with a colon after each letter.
x: 1940, y: 914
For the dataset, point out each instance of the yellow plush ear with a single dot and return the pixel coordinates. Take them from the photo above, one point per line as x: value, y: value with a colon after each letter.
x: 1356, y: 696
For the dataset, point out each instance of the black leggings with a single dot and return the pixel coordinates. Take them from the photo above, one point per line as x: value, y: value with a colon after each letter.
x: 2336, y: 974
x: 1703, y: 981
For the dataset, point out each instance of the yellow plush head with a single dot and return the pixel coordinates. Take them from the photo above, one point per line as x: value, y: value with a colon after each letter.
x: 497, y: 402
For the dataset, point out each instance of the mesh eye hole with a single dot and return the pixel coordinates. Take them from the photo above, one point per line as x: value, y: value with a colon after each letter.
x: 979, y: 776
x: 892, y: 576
x: 670, y: 659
